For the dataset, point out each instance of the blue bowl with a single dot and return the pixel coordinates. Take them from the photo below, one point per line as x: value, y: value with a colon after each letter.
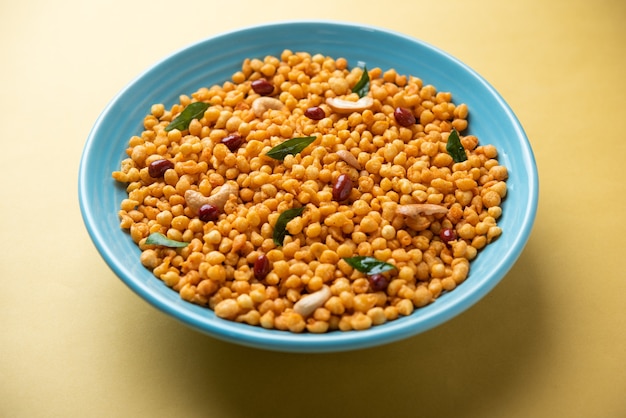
x: 213, y: 61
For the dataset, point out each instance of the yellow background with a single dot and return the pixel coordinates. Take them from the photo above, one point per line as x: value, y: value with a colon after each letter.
x: 549, y: 341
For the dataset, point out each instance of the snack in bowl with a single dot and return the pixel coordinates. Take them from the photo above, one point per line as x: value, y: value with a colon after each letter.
x: 214, y: 60
x: 308, y: 195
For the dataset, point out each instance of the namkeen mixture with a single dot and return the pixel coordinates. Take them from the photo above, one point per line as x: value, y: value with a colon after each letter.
x: 308, y: 196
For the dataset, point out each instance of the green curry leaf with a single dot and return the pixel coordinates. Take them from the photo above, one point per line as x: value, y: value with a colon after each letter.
x: 193, y: 111
x: 362, y: 87
x: 369, y: 265
x: 280, y: 229
x: 156, y: 238
x: 291, y: 146
x: 455, y: 148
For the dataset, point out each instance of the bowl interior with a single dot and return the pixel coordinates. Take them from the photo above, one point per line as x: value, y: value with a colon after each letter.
x: 213, y: 61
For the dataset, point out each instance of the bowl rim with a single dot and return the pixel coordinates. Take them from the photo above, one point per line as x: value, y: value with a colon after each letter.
x: 258, y: 337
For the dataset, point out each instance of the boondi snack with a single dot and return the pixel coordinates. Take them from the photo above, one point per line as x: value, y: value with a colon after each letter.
x: 304, y: 195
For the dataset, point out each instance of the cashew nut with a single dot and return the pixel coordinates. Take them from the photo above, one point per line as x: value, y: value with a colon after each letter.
x: 309, y: 303
x: 346, y: 106
x: 414, y: 210
x: 263, y: 104
x: 195, y: 199
x: 349, y: 158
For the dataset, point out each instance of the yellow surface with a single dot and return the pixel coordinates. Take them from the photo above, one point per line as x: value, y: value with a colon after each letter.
x: 549, y: 341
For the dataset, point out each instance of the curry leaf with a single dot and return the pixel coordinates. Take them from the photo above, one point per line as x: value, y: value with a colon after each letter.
x: 280, y: 229
x: 290, y: 146
x: 455, y: 148
x: 362, y: 87
x: 369, y: 265
x: 156, y: 238
x: 193, y: 111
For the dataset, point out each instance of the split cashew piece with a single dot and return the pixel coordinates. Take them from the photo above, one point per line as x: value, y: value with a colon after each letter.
x: 417, y: 209
x: 346, y: 106
x: 195, y: 200
x: 309, y: 303
x: 349, y: 158
x: 262, y: 104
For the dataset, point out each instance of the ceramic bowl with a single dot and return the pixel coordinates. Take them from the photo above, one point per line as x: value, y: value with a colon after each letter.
x: 213, y: 61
